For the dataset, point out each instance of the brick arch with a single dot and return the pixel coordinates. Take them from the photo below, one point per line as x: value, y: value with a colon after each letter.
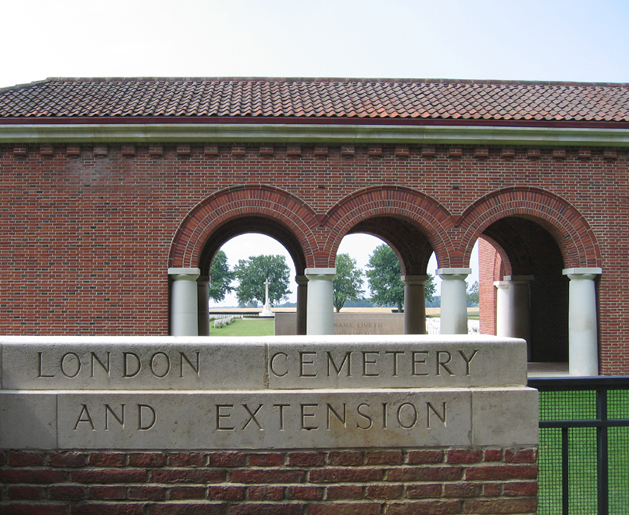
x: 409, y: 243
x: 415, y: 208
x: 566, y: 225
x: 278, y: 213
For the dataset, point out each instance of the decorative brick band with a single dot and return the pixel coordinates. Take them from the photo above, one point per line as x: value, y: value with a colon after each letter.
x: 378, y: 481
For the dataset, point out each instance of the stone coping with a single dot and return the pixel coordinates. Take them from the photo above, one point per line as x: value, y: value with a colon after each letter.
x: 274, y: 362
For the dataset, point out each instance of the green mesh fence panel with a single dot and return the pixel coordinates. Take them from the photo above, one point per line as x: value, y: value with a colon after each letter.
x: 575, y: 405
x: 618, y: 456
x: 549, y: 477
x: 582, y: 471
x: 618, y: 404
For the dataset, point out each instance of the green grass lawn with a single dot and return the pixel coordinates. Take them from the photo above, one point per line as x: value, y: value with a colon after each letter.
x: 240, y: 327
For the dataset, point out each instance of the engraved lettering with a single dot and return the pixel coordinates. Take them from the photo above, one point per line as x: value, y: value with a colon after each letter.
x: 467, y: 360
x: 417, y: 361
x: 332, y: 411
x: 66, y: 359
x: 444, y: 363
x: 275, y: 372
x: 187, y: 360
x: 442, y: 417
x: 40, y: 367
x: 303, y: 363
x: 109, y: 410
x: 305, y: 414
x: 395, y: 354
x: 252, y: 416
x: 412, y: 418
x: 144, y: 424
x: 154, y: 364
x: 281, y: 410
x: 95, y: 359
x: 220, y: 416
x: 364, y: 415
x: 127, y: 371
x: 88, y: 418
x: 367, y: 362
x: 346, y: 359
x: 384, y: 415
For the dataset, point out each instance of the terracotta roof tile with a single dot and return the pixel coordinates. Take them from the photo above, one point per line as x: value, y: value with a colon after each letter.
x: 316, y: 98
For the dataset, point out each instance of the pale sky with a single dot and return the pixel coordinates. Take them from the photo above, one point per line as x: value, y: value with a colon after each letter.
x: 549, y: 40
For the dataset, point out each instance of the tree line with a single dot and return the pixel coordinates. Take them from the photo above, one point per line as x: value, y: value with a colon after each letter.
x: 383, y: 275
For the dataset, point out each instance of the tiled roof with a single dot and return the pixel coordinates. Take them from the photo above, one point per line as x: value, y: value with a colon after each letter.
x: 127, y: 99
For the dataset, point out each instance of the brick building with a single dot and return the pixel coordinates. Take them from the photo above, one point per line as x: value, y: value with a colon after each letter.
x: 117, y: 193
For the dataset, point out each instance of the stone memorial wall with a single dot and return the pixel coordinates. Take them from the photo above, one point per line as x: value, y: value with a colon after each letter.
x: 347, y: 323
x: 272, y: 425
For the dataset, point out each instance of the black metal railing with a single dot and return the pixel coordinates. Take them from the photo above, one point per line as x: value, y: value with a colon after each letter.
x: 584, y: 445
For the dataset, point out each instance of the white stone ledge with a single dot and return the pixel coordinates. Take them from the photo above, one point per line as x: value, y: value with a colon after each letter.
x: 313, y: 133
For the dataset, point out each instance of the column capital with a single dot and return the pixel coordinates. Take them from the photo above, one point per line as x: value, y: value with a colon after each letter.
x: 502, y: 284
x: 582, y: 273
x: 519, y: 278
x: 182, y: 272
x: 453, y: 273
x: 203, y: 280
x: 320, y: 273
x: 301, y: 280
x: 414, y: 280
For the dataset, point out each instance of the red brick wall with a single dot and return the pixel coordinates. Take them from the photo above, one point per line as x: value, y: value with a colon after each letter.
x: 489, y: 263
x: 85, y: 241
x: 378, y: 481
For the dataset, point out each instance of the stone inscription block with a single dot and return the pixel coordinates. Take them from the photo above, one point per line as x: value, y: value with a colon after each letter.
x: 136, y: 363
x: 348, y: 323
x: 264, y: 420
x: 296, y: 362
x: 400, y: 361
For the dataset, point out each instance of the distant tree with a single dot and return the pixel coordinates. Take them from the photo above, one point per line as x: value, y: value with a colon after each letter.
x: 430, y: 288
x: 220, y: 277
x: 385, y: 279
x: 384, y: 274
x: 253, y: 272
x: 348, y: 282
x: 473, y: 295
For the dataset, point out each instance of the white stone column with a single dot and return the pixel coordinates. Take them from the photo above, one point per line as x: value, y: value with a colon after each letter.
x: 203, y: 308
x: 453, y: 300
x: 184, y: 315
x: 320, y: 309
x: 302, y: 302
x: 519, y: 305
x: 414, y: 304
x: 583, y: 321
x: 502, y: 308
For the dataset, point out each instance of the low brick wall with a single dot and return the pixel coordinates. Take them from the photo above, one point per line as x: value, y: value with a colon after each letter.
x: 378, y: 481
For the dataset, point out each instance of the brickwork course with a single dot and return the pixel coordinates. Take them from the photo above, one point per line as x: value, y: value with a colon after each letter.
x: 378, y: 481
x: 106, y: 183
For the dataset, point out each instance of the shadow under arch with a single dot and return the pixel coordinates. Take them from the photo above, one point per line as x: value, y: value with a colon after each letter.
x: 242, y: 209
x: 565, y: 224
x: 391, y: 213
